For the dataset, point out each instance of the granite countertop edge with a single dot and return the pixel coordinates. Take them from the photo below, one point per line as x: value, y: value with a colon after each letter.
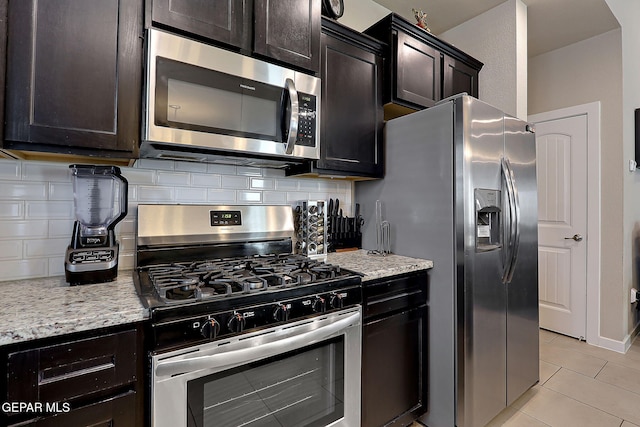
x: 374, y: 267
x: 47, y: 307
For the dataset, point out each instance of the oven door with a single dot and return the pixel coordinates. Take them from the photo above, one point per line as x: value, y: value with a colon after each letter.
x: 305, y: 373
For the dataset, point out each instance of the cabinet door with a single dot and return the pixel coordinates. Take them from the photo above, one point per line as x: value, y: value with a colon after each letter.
x: 418, y: 79
x: 74, y: 76
x: 288, y: 31
x: 394, y: 368
x: 352, y: 111
x: 3, y: 59
x: 458, y: 77
x: 219, y: 20
x: 119, y: 411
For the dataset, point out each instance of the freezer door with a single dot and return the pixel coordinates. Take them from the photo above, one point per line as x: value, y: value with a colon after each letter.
x: 481, y: 296
x: 522, y: 289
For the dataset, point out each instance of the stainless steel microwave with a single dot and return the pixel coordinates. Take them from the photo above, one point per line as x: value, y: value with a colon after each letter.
x: 208, y: 104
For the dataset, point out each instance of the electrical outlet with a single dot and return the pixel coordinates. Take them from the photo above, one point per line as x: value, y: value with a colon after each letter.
x: 634, y: 295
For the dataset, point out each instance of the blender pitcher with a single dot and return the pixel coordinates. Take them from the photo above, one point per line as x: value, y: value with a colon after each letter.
x: 100, y: 202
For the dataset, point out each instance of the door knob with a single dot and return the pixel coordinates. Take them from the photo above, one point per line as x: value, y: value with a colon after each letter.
x: 576, y: 237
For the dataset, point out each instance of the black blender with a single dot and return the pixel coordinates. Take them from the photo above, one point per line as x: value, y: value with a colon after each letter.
x: 100, y: 201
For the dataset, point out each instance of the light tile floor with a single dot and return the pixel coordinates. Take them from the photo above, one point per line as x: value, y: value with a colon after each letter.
x: 580, y: 385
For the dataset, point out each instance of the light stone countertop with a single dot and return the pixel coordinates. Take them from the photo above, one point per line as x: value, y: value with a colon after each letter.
x: 377, y: 266
x: 39, y: 308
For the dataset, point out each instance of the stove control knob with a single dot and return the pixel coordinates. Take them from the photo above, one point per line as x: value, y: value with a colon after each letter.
x: 319, y: 305
x: 281, y: 313
x: 236, y: 323
x: 336, y: 301
x: 210, y: 329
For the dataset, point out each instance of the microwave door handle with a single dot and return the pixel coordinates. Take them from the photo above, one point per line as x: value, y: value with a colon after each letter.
x: 293, y: 120
x: 228, y: 359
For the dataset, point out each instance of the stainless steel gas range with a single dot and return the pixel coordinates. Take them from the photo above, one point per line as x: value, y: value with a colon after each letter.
x: 243, y: 332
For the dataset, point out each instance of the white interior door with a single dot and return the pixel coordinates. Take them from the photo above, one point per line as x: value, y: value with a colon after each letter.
x: 562, y: 224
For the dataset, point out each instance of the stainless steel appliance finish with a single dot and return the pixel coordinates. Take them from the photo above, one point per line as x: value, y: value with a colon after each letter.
x: 460, y: 189
x: 208, y: 104
x: 192, y: 224
x: 288, y: 385
x: 243, y: 332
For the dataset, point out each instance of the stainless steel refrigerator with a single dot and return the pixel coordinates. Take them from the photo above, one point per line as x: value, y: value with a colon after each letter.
x: 460, y: 189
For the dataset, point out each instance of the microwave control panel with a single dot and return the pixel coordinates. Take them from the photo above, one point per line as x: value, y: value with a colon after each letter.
x: 306, y: 120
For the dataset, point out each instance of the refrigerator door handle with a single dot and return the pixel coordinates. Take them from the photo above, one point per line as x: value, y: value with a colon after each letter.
x: 513, y: 241
x: 516, y: 243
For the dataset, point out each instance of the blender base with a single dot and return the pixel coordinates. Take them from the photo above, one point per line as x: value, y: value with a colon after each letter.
x: 91, y: 277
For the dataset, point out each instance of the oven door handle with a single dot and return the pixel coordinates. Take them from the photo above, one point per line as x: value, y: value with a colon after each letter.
x: 227, y: 358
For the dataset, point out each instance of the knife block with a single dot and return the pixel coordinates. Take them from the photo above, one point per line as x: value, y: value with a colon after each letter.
x: 343, y: 233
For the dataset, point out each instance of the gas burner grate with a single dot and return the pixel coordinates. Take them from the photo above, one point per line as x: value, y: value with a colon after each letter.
x: 219, y: 278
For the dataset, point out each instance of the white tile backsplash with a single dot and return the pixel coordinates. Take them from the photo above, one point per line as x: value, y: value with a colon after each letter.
x: 236, y: 182
x: 10, y: 249
x: 49, y: 210
x: 10, y: 170
x: 20, y: 269
x: 23, y: 191
x: 38, y: 248
x: 173, y: 178
x: 17, y: 229
x: 13, y: 210
x: 37, y: 213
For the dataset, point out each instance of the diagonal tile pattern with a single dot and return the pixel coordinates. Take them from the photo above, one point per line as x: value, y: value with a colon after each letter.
x: 580, y: 385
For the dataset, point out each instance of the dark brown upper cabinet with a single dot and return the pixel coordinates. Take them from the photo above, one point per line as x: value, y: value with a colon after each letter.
x: 74, y: 71
x: 420, y: 68
x: 352, y: 111
x: 286, y: 31
x: 220, y: 20
x: 458, y: 77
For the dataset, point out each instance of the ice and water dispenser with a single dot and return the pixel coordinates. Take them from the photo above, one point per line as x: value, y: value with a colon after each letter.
x: 488, y: 219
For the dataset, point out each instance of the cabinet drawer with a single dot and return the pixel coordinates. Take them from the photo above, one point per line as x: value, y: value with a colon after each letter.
x: 119, y: 411
x: 69, y: 370
x: 393, y: 295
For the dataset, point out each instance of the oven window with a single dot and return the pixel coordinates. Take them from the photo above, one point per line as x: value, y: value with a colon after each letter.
x: 301, y: 388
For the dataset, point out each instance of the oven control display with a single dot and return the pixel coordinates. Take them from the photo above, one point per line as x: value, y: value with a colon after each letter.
x: 219, y: 218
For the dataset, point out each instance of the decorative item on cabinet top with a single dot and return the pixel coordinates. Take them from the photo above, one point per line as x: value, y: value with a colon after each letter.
x: 421, y: 17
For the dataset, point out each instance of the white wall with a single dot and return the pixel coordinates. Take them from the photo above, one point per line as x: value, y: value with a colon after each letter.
x: 498, y: 38
x: 361, y: 14
x: 575, y: 75
x: 36, y: 204
x: 627, y: 13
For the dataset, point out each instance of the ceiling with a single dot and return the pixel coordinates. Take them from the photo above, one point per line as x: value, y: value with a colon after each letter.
x: 552, y: 24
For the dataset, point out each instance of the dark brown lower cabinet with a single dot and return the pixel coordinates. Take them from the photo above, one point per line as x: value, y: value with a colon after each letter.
x: 394, y: 352
x: 118, y: 411
x: 89, y: 379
